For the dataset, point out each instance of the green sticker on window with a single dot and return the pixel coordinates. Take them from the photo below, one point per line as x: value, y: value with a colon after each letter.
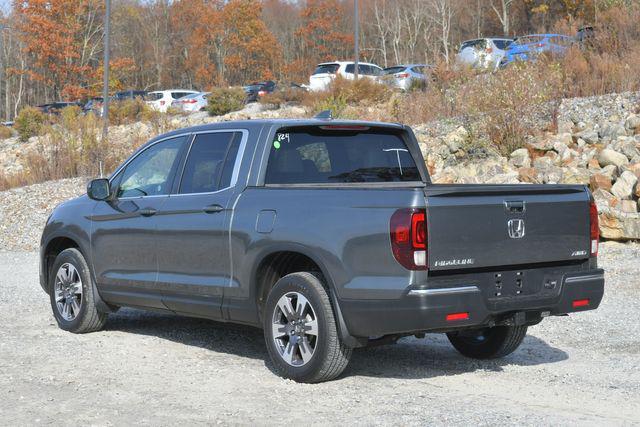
x: 276, y: 144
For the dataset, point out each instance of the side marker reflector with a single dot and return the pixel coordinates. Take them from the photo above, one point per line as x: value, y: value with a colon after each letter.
x: 457, y: 316
x: 580, y: 303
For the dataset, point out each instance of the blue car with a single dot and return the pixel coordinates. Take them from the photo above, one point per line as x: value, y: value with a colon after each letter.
x: 526, y: 48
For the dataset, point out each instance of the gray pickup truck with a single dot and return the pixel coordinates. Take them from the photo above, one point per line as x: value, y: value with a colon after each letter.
x: 327, y: 234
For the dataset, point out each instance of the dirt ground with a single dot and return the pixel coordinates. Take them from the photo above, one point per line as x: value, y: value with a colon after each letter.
x: 151, y: 369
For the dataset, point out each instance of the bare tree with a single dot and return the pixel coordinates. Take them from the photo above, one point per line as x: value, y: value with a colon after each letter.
x: 503, y: 14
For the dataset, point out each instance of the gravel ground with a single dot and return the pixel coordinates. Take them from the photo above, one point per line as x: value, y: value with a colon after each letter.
x: 153, y: 369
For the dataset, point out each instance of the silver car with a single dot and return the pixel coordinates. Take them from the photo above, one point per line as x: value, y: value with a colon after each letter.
x: 484, y: 54
x: 406, y: 76
x: 192, y: 103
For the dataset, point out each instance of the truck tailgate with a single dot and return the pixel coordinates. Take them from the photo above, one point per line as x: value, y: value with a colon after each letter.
x: 478, y: 226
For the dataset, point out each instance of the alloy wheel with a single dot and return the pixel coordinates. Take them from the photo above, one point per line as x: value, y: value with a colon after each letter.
x: 68, y: 292
x: 295, y: 329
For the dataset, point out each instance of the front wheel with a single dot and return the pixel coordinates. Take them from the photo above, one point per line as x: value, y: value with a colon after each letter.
x: 488, y: 343
x: 300, y: 330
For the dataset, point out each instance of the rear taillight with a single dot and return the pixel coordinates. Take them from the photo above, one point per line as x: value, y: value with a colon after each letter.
x: 161, y: 102
x: 408, y: 230
x: 595, y: 229
x: 262, y: 92
x: 190, y: 101
x: 489, y: 50
x: 402, y: 75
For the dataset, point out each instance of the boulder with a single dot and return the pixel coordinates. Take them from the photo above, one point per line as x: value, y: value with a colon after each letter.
x: 572, y: 175
x: 611, y: 131
x: 456, y: 139
x: 520, y: 158
x: 611, y: 171
x: 599, y: 181
x: 627, y: 146
x: 632, y: 122
x: 527, y: 174
x: 605, y: 199
x: 624, y: 186
x: 593, y: 164
x: 610, y: 157
x: 618, y: 225
x: 635, y: 168
x: 589, y: 136
x: 628, y: 206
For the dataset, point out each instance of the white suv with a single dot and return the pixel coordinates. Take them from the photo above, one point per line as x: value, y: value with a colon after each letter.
x: 327, y: 71
x: 161, y: 99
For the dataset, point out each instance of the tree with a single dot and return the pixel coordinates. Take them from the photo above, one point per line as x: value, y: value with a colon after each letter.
x: 62, y: 41
x: 503, y: 14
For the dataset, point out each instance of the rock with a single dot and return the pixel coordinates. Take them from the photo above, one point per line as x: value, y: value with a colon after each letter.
x: 589, y: 136
x: 574, y: 175
x: 628, y: 206
x: 520, y: 158
x: 610, y: 157
x: 553, y: 176
x: 599, y: 181
x: 618, y: 225
x: 546, y: 144
x: 581, y: 142
x: 611, y: 171
x: 611, y: 131
x: 635, y: 168
x: 623, y: 188
x: 543, y: 164
x: 527, y: 174
x: 605, y: 199
x: 456, y: 139
x: 632, y: 122
x: 564, y: 138
x: 593, y: 164
x: 627, y: 146
x: 560, y: 147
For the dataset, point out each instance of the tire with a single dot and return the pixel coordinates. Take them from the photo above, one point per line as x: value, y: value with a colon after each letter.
x: 488, y: 343
x: 304, y: 345
x: 70, y: 285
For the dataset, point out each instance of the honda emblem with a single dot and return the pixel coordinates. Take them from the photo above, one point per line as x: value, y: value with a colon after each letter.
x: 515, y: 227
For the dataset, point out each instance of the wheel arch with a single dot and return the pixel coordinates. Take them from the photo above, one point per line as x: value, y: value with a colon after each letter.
x: 280, y: 260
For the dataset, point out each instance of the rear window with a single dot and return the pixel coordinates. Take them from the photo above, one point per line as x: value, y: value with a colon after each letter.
x: 326, y: 69
x: 393, y: 70
x: 478, y: 44
x: 314, y: 156
x: 502, y: 44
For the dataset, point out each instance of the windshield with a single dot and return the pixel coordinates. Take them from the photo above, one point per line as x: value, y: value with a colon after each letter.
x: 335, y: 156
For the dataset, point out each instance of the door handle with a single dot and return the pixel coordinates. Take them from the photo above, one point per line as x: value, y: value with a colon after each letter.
x: 514, y: 206
x: 148, y: 212
x: 213, y: 209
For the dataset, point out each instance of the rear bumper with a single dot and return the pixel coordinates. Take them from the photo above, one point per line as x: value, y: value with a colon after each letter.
x: 426, y: 309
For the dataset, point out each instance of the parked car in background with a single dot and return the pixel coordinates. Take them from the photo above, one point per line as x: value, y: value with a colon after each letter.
x: 484, y: 53
x: 161, y: 100
x: 406, y: 77
x: 326, y: 72
x: 129, y: 94
x: 192, y: 103
x: 54, y: 108
x: 529, y: 47
x: 257, y: 89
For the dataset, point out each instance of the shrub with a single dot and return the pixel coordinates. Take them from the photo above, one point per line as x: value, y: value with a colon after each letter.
x: 342, y: 93
x: 5, y: 132
x: 225, y: 100
x: 130, y: 110
x: 29, y: 122
x: 283, y: 97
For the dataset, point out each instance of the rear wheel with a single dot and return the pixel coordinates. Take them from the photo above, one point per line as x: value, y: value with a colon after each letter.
x: 300, y: 330
x: 71, y: 294
x: 488, y: 343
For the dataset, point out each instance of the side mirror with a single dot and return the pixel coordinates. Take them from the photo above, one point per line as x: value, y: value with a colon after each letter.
x: 98, y: 189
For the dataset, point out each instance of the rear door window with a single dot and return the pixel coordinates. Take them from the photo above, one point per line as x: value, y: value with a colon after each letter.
x: 315, y: 156
x: 210, y: 163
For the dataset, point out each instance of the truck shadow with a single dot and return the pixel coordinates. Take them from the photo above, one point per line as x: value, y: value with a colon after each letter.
x: 410, y: 358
